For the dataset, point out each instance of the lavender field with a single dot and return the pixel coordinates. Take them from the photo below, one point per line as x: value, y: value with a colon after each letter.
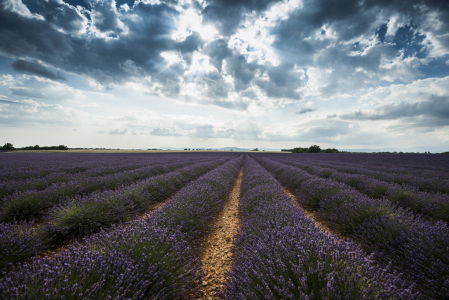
x: 138, y: 225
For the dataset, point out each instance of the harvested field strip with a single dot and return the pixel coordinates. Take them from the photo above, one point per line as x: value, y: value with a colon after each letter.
x: 216, y: 256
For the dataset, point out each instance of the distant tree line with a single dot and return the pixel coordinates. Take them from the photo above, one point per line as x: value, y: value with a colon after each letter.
x: 94, y: 149
x: 312, y: 149
x: 317, y: 149
x: 9, y: 146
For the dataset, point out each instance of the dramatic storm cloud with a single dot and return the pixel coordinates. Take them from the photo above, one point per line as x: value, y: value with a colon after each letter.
x: 276, y: 74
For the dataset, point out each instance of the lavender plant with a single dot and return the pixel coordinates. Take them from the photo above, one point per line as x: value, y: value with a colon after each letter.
x: 18, y: 242
x: 33, y: 204
x: 146, y: 259
x: 87, y: 215
x: 281, y: 254
x: 416, y: 247
x: 433, y: 205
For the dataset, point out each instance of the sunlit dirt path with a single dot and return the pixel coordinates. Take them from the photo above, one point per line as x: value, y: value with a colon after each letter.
x: 215, y: 248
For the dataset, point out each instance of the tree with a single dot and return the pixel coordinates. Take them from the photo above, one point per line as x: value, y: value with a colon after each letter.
x: 331, y: 150
x: 315, y: 149
x: 8, y: 146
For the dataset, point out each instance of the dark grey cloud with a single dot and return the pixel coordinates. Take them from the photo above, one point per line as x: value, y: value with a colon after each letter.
x: 20, y: 65
x: 113, y: 45
x: 148, y: 34
x: 358, y: 21
x: 241, y: 70
x: 217, y: 50
x: 105, y: 17
x: 227, y: 15
x: 305, y: 110
x: 11, y: 102
x: 82, y: 3
x: 437, y: 107
x: 63, y: 16
x: 351, y: 18
x: 283, y: 82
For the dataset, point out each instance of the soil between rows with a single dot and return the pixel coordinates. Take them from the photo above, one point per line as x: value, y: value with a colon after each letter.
x: 309, y: 214
x: 215, y: 248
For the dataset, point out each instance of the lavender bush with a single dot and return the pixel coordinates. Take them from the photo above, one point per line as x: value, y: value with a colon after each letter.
x: 33, y: 204
x: 18, y: 242
x: 87, y: 215
x: 280, y: 254
x: 146, y: 259
x: 11, y: 186
x: 418, y: 248
x: 433, y: 205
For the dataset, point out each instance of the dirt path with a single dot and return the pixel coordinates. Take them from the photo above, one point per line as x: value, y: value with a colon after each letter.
x: 216, y: 247
x: 309, y: 214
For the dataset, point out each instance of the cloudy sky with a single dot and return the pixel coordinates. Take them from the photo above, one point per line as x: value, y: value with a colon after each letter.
x: 367, y: 74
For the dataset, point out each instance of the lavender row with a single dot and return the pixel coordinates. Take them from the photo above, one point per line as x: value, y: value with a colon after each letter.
x: 39, y: 165
x: 414, y: 164
x: 34, y: 171
x: 428, y: 182
x: 432, y: 205
x: 9, y: 187
x: 281, y: 254
x: 50, y: 163
x: 33, y: 204
x: 146, y: 259
x: 406, y: 161
x: 111, y: 167
x: 96, y: 212
x: 416, y: 247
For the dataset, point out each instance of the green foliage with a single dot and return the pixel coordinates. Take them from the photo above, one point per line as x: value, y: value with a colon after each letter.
x: 37, y: 147
x: 311, y: 149
x: 315, y: 149
x: 8, y: 146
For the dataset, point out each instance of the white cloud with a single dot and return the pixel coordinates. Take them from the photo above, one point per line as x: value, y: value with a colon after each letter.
x: 35, y: 87
x: 18, y: 7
